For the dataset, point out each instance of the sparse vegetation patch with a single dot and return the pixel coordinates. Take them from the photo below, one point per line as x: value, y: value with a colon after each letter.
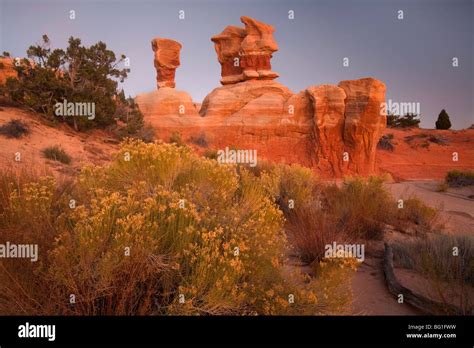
x: 458, y: 178
x: 57, y: 153
x: 14, y: 129
x: 385, y: 143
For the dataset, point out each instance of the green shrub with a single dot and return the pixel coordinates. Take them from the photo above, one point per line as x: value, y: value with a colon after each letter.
x: 291, y: 185
x: 200, y: 140
x: 457, y: 178
x: 392, y: 120
x: 175, y: 138
x: 52, y: 76
x: 360, y: 206
x: 128, y: 112
x: 407, y: 121
x: 443, y: 121
x: 385, y: 143
x: 14, y: 129
x: 56, y: 153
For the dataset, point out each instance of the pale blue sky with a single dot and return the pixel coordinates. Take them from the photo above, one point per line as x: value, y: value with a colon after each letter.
x: 412, y: 56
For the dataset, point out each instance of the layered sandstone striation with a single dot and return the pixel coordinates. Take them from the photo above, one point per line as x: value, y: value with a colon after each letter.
x: 167, y: 107
x: 364, y: 124
x: 328, y: 109
x: 333, y: 129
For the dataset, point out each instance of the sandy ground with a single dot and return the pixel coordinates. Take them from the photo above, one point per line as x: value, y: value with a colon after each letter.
x: 86, y: 147
x: 455, y: 206
x: 456, y: 213
x: 371, y: 296
x: 417, y: 156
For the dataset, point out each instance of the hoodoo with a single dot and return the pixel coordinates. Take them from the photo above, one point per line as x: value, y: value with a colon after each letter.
x: 333, y: 129
x: 257, y: 50
x: 166, y: 105
x: 228, y: 46
x: 166, y: 60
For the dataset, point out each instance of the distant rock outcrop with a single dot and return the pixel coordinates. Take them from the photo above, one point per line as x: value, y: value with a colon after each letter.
x: 333, y: 129
x: 166, y: 60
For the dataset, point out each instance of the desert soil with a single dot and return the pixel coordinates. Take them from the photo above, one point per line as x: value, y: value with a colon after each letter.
x: 84, y: 148
x: 427, y: 153
x: 456, y: 214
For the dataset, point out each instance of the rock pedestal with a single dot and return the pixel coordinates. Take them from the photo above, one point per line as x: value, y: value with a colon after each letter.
x: 167, y: 106
x: 227, y: 45
x: 166, y: 61
x: 257, y: 50
x: 245, y: 53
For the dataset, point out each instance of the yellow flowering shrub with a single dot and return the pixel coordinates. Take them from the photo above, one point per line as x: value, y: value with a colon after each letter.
x: 161, y: 230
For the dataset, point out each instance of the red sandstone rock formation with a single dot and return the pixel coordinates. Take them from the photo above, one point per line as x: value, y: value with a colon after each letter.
x: 257, y: 50
x: 227, y: 45
x: 333, y: 129
x: 328, y: 126
x: 245, y: 54
x: 364, y: 123
x: 167, y: 107
x: 256, y: 99
x: 166, y: 60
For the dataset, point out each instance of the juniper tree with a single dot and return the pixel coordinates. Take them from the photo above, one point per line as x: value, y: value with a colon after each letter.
x: 76, y: 74
x: 443, y: 121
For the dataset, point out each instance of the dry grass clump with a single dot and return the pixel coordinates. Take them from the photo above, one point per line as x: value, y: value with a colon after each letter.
x: 360, y: 206
x: 158, y: 231
x: 417, y: 215
x: 442, y: 187
x: 446, y: 261
x: 56, y: 153
x: 458, y: 178
x: 310, y: 229
x: 386, y: 143
x: 14, y: 129
x: 357, y: 210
